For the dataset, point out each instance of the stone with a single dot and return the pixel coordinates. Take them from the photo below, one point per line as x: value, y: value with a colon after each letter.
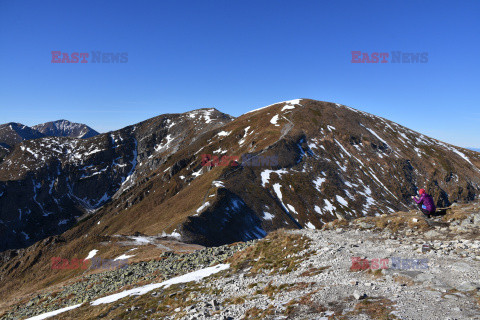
x: 476, y: 219
x: 462, y: 267
x: 466, y: 223
x: 468, y: 286
x: 422, y: 277
x: 366, y: 225
x: 431, y: 234
x: 357, y: 295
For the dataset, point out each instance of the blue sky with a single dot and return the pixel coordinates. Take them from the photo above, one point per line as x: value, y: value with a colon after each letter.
x: 241, y: 55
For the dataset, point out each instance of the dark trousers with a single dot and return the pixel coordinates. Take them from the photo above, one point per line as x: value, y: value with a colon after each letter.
x: 424, y: 211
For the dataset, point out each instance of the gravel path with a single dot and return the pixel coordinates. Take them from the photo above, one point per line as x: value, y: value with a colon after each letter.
x: 440, y: 281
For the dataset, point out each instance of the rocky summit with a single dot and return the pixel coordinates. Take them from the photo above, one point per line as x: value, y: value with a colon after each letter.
x: 65, y: 128
x: 300, y: 209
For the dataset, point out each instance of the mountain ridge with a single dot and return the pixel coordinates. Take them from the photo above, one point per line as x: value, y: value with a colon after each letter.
x: 65, y: 128
x: 345, y: 163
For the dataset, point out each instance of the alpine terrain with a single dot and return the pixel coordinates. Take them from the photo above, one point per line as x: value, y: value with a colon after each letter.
x: 330, y: 161
x: 196, y: 190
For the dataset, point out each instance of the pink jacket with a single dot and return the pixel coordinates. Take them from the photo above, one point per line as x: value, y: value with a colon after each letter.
x: 427, y: 201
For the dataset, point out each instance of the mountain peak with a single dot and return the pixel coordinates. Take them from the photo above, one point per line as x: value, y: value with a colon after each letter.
x: 288, y: 102
x: 65, y: 128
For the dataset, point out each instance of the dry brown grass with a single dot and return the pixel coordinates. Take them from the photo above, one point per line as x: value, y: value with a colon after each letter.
x: 271, y: 290
x: 403, y: 280
x: 375, y: 273
x: 293, y: 307
x: 399, y: 221
x: 259, y: 314
x: 277, y: 253
x: 252, y: 285
x: 455, y: 215
x: 236, y: 300
x: 375, y: 308
x: 335, y: 224
x: 301, y: 286
x: 395, y: 222
x: 313, y: 271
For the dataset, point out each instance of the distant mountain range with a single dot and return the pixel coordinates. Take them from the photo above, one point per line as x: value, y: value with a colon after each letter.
x: 331, y: 161
x: 475, y: 149
x: 14, y: 133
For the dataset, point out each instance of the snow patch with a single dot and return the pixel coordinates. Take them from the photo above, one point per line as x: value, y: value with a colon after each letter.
x: 274, y: 120
x: 218, y: 184
x: 91, y: 254
x: 164, y: 146
x: 267, y: 216
x: 224, y: 133
x: 310, y: 225
x: 174, y: 234
x: 53, y: 313
x: 123, y: 257
x: 202, y: 207
x: 329, y: 206
x: 342, y: 200
x: 376, y: 135
x: 266, y: 175
x: 289, y: 102
x: 318, y: 182
x: 292, y: 208
x: 189, y: 277
x: 242, y: 141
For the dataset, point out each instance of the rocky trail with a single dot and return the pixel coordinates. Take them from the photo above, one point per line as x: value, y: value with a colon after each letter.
x: 397, y: 266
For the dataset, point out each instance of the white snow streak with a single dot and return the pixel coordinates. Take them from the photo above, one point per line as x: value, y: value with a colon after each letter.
x: 91, y: 254
x: 189, y: 277
x: 53, y: 313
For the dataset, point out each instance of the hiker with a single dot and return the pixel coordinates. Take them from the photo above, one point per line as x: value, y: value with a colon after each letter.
x: 425, y: 203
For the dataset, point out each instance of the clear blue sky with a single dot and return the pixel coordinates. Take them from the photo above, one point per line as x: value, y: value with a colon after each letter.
x: 241, y: 55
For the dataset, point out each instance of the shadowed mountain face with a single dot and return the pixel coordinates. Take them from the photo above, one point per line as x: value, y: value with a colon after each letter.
x: 65, y: 128
x: 329, y: 161
x: 47, y: 183
x: 13, y: 133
